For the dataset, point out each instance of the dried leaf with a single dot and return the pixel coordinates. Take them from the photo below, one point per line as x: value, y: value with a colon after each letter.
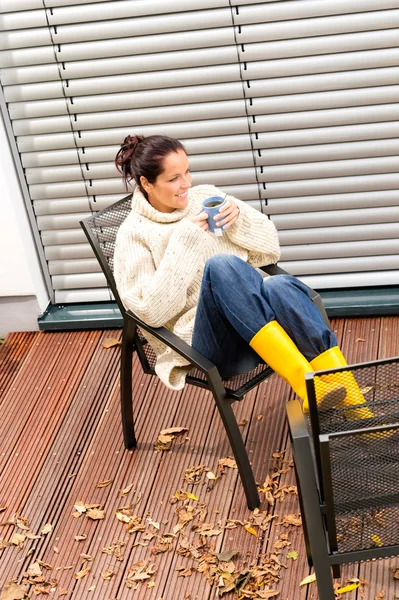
x: 81, y: 574
x: 259, y: 417
x: 107, y: 575
x: 95, y: 514
x: 55, y: 549
x: 243, y: 422
x: 308, y: 579
x: 360, y: 340
x: 34, y: 570
x: 211, y: 532
x: 166, y: 437
x: 91, y: 588
x: 211, y: 476
x: 153, y: 523
x: 194, y: 474
x: 185, y: 573
x: 80, y: 538
x: 115, y: 549
x: 151, y: 584
x: 291, y: 519
x: 32, y: 536
x: 265, y: 594
x: 22, y: 522
x: 80, y: 507
x: 191, y: 496
x: 46, y: 528
x: 85, y: 557
x: 140, y: 571
x: 381, y: 595
x: 347, y: 588
x: 227, y: 555
x: 110, y: 342
x: 102, y: 484
x: 293, y: 555
x: 227, y: 462
x: 126, y: 490
x: 17, y: 539
x: 250, y: 530
x: 62, y: 592
x: 13, y: 591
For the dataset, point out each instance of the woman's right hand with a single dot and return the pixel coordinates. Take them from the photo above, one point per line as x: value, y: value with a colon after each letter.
x: 201, y: 220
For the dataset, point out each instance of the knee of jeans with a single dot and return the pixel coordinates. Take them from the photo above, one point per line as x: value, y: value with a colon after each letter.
x: 279, y: 284
x: 220, y: 264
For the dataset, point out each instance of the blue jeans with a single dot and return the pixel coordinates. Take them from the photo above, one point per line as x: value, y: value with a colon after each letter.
x: 235, y: 302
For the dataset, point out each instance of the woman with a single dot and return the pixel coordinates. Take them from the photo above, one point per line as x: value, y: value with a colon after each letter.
x: 170, y: 271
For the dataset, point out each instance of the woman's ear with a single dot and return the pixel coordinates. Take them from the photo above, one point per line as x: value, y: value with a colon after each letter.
x: 145, y: 184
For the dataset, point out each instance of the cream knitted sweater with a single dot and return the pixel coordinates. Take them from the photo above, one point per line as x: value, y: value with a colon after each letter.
x: 159, y: 261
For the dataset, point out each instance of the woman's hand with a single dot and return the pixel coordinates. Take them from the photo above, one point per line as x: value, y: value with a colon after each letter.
x: 228, y: 214
x: 201, y: 220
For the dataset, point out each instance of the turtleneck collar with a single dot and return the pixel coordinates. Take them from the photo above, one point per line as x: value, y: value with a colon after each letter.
x: 141, y: 205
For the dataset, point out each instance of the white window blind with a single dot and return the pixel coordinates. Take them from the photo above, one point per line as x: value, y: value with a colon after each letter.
x: 291, y: 106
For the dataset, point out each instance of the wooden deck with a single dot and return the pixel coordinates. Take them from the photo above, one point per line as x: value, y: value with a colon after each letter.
x: 60, y: 436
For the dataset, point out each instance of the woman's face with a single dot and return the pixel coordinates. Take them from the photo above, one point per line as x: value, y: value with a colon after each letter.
x: 170, y: 190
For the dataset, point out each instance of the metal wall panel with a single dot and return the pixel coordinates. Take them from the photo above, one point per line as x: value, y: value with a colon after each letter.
x: 291, y: 106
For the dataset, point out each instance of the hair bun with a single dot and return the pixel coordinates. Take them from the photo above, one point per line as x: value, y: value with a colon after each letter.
x: 131, y: 142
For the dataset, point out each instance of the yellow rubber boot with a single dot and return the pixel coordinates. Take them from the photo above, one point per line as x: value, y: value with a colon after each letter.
x: 326, y: 384
x: 277, y: 349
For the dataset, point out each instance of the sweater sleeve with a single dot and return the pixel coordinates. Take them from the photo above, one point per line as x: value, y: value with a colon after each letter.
x: 256, y: 233
x: 156, y: 295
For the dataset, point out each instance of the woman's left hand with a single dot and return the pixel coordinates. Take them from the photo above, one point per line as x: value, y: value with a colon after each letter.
x: 228, y: 214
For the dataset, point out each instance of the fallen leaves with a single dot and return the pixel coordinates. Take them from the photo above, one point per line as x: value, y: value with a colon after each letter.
x: 107, y: 575
x: 139, y: 572
x: 46, y: 528
x: 226, y: 463
x: 127, y: 489
x: 291, y: 519
x: 14, y: 591
x: 166, y: 437
x: 347, y: 588
x: 82, y: 573
x: 111, y: 342
x: 103, y: 484
x: 308, y: 579
x: 91, y: 511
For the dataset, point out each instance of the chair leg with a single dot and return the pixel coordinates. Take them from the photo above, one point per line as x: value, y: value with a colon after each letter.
x: 127, y: 350
x: 237, y: 443
x: 310, y: 501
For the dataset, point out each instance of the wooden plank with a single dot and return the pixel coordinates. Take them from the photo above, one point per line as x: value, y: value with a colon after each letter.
x: 66, y: 390
x: 13, y: 352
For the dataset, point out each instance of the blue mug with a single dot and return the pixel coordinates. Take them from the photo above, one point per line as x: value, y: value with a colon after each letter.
x: 211, y: 206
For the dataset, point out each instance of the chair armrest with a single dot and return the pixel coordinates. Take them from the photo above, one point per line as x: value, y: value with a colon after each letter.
x: 177, y: 344
x: 274, y: 270
x: 314, y: 296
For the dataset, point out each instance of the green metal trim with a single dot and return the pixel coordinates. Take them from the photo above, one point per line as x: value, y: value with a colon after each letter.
x: 86, y: 315
x: 359, y: 302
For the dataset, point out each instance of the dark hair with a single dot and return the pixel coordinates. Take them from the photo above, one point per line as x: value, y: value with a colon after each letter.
x: 141, y: 156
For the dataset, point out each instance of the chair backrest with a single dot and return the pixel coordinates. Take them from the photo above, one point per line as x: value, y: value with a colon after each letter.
x: 357, y: 454
x: 101, y: 230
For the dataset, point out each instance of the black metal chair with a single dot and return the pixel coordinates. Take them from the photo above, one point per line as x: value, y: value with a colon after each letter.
x: 101, y: 230
x: 347, y: 467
